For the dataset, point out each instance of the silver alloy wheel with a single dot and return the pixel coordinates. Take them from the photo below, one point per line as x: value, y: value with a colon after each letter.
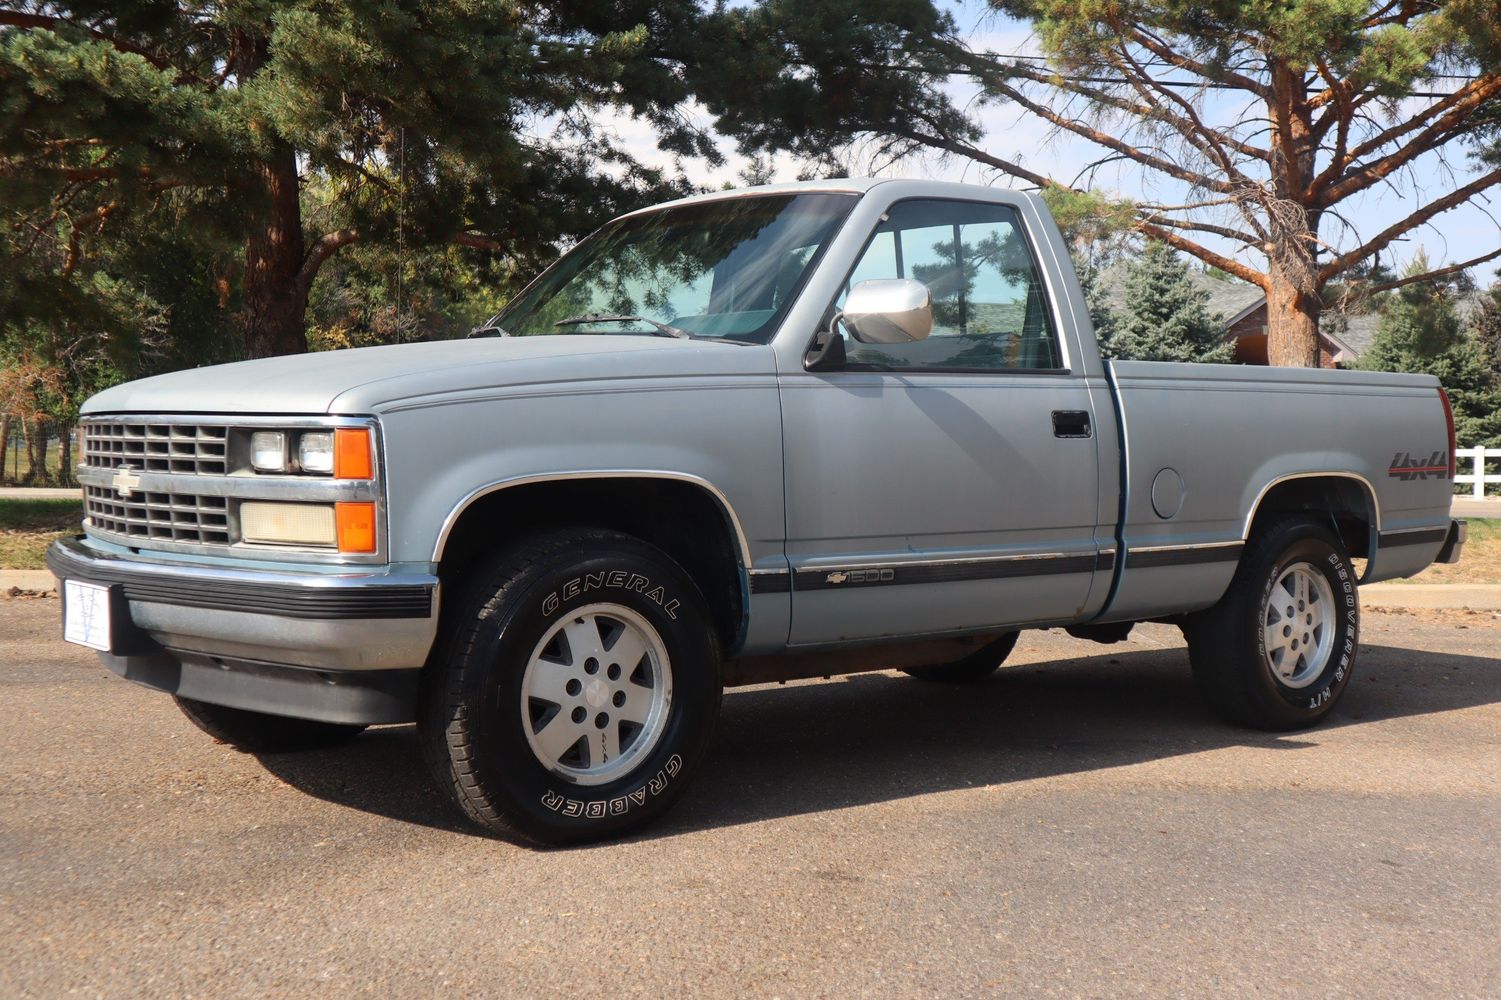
x: 596, y: 694
x: 1299, y: 625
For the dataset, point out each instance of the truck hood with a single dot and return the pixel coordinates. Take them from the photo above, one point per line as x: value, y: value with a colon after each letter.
x: 366, y: 379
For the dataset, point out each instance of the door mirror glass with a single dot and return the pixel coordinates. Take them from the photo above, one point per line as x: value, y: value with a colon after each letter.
x: 889, y: 311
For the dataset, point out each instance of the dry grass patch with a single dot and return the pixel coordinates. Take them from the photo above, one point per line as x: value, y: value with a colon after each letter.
x: 27, y: 527
x: 1479, y: 563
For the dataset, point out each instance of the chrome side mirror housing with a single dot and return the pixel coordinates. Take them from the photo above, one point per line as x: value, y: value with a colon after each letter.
x: 889, y: 311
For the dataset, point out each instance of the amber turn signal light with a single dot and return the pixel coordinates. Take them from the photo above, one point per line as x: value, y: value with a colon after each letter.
x: 353, y: 457
x: 356, y: 526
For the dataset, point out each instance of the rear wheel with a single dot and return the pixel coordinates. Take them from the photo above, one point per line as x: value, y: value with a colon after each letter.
x: 1278, y: 649
x: 578, y: 692
x: 257, y: 732
x: 968, y: 669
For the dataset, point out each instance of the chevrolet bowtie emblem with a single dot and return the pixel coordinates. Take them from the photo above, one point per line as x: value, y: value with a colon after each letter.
x: 836, y: 577
x: 125, y: 481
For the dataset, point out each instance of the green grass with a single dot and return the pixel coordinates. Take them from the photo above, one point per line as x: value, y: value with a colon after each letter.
x: 27, y: 527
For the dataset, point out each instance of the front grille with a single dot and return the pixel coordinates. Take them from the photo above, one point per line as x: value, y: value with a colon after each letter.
x: 177, y: 517
x: 195, y: 449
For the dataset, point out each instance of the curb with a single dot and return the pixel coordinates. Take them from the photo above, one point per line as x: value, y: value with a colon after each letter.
x: 27, y: 581
x: 1475, y: 596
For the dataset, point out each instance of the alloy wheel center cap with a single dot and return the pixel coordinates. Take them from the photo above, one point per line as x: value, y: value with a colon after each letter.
x: 596, y: 693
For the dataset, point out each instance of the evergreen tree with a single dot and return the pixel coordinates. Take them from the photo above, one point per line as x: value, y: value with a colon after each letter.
x: 1421, y: 332
x: 1165, y: 316
x: 1485, y: 325
x: 433, y: 121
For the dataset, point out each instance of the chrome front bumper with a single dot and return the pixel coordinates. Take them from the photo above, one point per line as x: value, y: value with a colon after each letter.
x: 344, y: 646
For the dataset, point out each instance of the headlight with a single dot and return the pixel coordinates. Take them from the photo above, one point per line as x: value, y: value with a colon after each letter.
x: 341, y: 452
x: 315, y: 452
x: 268, y: 451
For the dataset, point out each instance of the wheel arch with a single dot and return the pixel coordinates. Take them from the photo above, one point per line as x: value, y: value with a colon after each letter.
x: 684, y: 515
x: 1347, y: 498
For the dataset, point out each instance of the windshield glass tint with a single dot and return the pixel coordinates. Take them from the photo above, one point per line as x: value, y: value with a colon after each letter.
x: 726, y: 268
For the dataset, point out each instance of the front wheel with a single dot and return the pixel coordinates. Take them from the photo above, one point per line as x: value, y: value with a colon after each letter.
x: 1278, y: 649
x: 578, y: 690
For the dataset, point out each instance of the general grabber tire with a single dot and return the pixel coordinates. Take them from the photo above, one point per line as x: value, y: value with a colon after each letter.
x: 257, y: 732
x: 577, y: 690
x: 968, y: 669
x: 1278, y: 649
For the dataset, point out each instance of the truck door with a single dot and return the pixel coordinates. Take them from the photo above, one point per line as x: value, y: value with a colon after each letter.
x: 950, y: 483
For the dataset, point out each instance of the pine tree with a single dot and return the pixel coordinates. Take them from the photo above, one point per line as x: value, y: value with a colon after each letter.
x: 1485, y: 325
x: 1421, y: 332
x: 1165, y: 317
x: 433, y: 121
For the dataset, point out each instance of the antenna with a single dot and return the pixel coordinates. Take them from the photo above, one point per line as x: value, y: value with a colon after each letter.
x: 401, y: 237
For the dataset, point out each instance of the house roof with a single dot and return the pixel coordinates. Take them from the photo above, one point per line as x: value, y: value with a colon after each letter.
x: 1230, y: 299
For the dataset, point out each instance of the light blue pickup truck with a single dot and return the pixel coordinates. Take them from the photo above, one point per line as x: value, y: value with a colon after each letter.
x: 750, y: 436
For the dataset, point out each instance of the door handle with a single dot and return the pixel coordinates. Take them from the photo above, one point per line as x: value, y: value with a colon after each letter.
x: 1071, y: 423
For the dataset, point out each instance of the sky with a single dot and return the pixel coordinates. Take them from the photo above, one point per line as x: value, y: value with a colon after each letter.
x: 1460, y: 234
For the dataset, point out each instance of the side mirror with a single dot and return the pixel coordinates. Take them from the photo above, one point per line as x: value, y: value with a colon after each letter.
x: 889, y: 311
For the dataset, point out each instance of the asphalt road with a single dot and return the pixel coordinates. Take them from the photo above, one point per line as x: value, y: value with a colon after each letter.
x: 1076, y: 826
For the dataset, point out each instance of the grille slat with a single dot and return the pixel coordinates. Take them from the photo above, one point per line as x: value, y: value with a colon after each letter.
x: 178, y: 517
x: 192, y: 449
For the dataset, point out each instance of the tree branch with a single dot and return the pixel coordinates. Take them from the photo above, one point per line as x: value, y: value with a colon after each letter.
x: 1100, y: 138
x: 477, y: 241
x: 18, y: 20
x: 1165, y: 52
x: 1452, y: 122
x: 322, y: 249
x: 1228, y: 233
x: 1416, y: 219
x: 1208, y: 256
x: 1430, y: 275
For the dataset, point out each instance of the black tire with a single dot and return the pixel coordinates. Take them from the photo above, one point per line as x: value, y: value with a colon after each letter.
x: 1227, y: 644
x: 257, y: 732
x: 968, y: 669
x: 478, y: 737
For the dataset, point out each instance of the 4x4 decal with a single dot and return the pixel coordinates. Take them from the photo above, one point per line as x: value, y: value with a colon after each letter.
x: 1407, y: 468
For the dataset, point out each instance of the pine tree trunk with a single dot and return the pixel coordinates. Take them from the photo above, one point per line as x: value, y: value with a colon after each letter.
x: 1293, y: 298
x: 1292, y: 316
x: 4, y: 442
x: 274, y: 298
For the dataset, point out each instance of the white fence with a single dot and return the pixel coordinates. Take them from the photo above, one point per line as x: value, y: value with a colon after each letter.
x: 1476, y: 457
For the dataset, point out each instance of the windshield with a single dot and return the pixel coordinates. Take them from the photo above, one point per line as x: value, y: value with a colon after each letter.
x: 717, y: 269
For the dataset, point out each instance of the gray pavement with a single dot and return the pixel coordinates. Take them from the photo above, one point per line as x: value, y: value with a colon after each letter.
x: 1076, y: 826
x: 1469, y: 507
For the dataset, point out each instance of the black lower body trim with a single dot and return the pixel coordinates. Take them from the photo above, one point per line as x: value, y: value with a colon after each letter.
x: 1427, y: 536
x: 771, y: 582
x: 1186, y: 555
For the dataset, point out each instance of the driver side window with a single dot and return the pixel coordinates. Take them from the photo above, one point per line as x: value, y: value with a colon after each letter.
x: 990, y: 312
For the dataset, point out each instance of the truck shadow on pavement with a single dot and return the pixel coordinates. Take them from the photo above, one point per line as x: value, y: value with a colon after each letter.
x: 870, y: 738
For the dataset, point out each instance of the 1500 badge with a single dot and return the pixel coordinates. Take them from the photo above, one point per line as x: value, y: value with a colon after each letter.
x: 1408, y: 468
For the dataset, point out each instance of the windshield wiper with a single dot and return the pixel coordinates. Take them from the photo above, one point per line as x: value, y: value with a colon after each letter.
x: 662, y: 329
x: 486, y: 331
